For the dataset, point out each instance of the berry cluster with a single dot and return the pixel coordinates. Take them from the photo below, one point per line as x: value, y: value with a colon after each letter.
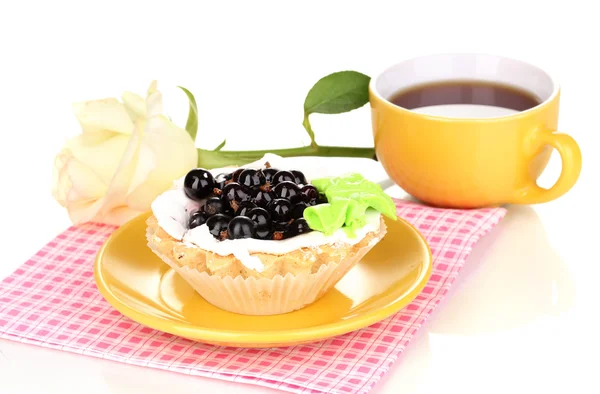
x: 248, y: 203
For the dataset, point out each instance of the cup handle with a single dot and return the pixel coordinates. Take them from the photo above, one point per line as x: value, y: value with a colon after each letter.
x: 570, y: 155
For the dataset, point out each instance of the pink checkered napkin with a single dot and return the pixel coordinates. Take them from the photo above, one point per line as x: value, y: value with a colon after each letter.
x: 52, y: 301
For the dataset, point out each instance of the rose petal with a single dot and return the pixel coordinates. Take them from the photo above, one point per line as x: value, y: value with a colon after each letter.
x: 147, y: 162
x: 154, y: 105
x: 101, y: 152
x: 85, y: 183
x: 60, y: 179
x: 91, y: 211
x: 173, y: 154
x: 135, y: 105
x: 84, y: 211
x: 153, y: 87
x: 119, y: 185
x: 146, y: 159
x: 103, y: 115
x: 76, y: 187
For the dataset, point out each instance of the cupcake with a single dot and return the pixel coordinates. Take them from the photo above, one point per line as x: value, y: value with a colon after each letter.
x: 262, y: 239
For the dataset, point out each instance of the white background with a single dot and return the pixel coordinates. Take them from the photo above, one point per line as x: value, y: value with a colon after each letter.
x: 522, y: 316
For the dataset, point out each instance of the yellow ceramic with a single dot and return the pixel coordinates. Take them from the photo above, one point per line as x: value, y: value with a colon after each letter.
x: 142, y: 287
x: 452, y: 161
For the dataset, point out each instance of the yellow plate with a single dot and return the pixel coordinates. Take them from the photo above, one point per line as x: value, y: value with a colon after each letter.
x: 139, y: 285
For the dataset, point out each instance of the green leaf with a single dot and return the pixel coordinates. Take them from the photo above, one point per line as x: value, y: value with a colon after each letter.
x: 336, y: 93
x: 192, y: 121
x: 221, y: 145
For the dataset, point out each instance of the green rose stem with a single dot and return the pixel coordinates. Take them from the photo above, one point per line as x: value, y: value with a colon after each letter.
x: 335, y: 93
x: 215, y: 159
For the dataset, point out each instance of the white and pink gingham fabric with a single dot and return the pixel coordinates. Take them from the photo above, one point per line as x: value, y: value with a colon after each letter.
x: 52, y: 301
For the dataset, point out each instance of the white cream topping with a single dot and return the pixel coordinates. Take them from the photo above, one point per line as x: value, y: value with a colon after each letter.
x: 173, y: 209
x: 241, y: 248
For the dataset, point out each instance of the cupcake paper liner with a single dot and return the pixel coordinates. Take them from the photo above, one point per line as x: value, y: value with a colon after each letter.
x: 263, y: 296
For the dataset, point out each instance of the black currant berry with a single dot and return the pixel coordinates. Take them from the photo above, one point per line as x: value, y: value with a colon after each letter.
x: 280, y: 226
x: 262, y: 198
x: 287, y: 190
x: 236, y: 174
x: 282, y: 176
x: 214, y: 205
x: 198, y: 184
x: 299, y: 177
x: 280, y: 210
x: 240, y: 227
x: 263, y: 233
x: 244, y: 208
x: 197, y: 219
x: 269, y: 174
x: 299, y: 226
x: 234, y: 194
x: 309, y: 193
x: 224, y: 176
x: 252, y: 178
x: 217, y: 225
x: 260, y: 217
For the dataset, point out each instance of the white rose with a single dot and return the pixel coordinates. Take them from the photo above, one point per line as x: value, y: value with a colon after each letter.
x: 128, y: 154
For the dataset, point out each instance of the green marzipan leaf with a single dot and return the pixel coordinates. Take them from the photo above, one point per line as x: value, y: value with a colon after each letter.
x: 337, y: 93
x: 192, y: 121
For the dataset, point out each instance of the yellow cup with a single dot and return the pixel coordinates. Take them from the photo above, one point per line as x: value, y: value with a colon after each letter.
x: 472, y: 161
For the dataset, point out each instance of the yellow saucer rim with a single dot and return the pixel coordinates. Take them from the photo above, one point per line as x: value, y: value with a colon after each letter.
x: 255, y: 338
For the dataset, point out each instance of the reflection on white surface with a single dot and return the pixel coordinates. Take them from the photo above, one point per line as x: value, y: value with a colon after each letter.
x: 512, y: 280
x: 517, y: 276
